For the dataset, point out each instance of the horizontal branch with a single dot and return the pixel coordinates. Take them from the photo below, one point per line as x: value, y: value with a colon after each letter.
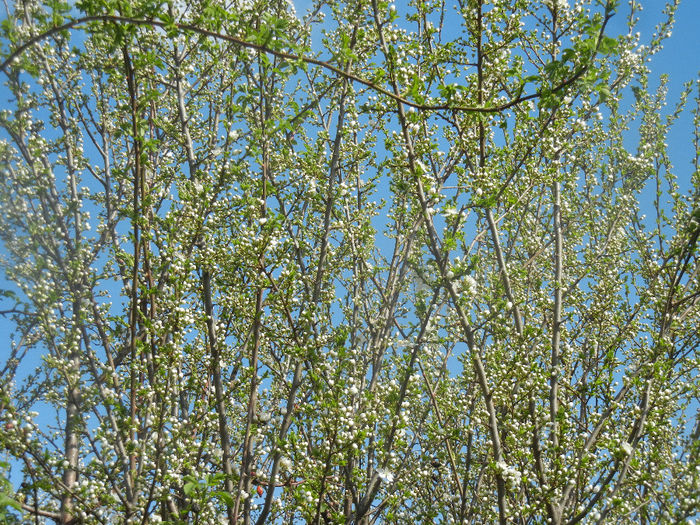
x: 288, y: 56
x: 36, y: 511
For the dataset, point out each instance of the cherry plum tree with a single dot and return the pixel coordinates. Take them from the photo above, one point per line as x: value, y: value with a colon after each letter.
x: 347, y: 262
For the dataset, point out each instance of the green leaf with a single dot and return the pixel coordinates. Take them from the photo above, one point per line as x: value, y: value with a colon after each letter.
x: 638, y: 93
x: 7, y: 501
x: 225, y: 497
x: 569, y: 55
x: 190, y: 487
x: 417, y: 89
x: 603, y: 91
x: 607, y: 45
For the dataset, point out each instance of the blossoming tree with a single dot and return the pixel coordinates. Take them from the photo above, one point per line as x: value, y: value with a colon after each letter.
x: 359, y: 264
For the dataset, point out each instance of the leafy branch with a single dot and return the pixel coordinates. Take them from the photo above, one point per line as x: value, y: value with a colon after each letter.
x: 171, y: 26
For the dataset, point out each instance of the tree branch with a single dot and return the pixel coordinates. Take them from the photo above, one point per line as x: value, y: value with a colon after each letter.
x: 291, y: 56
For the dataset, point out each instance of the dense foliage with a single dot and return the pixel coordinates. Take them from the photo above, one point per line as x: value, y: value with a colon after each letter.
x: 361, y: 264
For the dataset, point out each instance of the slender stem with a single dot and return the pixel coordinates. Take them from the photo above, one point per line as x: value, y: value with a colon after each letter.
x: 556, y: 319
x: 504, y: 272
x: 133, y: 311
x: 215, y: 353
x: 500, y: 482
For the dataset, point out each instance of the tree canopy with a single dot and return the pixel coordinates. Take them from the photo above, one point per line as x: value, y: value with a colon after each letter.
x: 367, y: 263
